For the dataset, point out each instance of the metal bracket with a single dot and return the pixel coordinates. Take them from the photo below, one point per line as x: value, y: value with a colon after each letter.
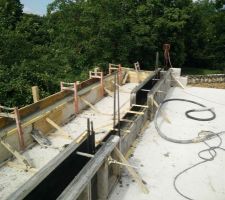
x: 15, y: 116
x: 137, y: 66
x: 72, y: 87
x: 118, y: 68
x: 99, y: 75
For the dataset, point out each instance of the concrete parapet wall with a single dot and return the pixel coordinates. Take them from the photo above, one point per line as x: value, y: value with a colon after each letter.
x: 159, y: 92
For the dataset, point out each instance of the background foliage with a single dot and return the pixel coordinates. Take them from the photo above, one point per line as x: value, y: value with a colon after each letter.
x: 74, y: 36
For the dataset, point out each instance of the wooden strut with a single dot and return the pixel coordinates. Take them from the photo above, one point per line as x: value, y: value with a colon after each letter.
x: 36, y: 118
x: 125, y: 78
x: 21, y: 166
x: 164, y: 115
x: 178, y: 82
x: 57, y: 127
x: 132, y: 172
x: 93, y: 107
x: 121, y: 89
x: 19, y: 156
x: 108, y: 92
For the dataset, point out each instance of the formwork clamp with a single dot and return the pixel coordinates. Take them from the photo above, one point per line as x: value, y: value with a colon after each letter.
x: 74, y: 88
x: 118, y: 68
x: 98, y: 75
x: 13, y: 113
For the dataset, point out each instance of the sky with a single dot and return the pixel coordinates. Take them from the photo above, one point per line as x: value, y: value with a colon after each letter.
x: 38, y: 7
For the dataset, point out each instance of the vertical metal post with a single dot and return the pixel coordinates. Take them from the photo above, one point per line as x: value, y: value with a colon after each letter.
x: 88, y: 136
x: 157, y: 61
x: 118, y: 105
x: 120, y: 77
x: 114, y: 103
x: 19, y: 129
x: 76, y: 98
x: 92, y: 138
x: 102, y: 84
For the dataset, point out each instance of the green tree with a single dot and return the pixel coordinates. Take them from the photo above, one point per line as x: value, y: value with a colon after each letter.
x: 10, y: 13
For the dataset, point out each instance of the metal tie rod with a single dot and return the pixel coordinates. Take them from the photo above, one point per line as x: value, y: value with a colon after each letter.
x: 113, y: 161
x: 145, y: 90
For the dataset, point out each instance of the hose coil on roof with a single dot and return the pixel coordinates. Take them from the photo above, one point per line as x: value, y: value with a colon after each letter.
x: 197, y: 139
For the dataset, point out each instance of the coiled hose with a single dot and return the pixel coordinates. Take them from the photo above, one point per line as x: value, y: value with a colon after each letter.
x: 200, y: 138
x: 203, y: 136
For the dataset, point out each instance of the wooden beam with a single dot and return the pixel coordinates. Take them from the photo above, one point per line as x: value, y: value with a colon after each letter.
x: 35, y: 119
x: 35, y: 94
x: 81, y: 137
x: 19, y: 166
x: 178, y: 82
x: 125, y: 78
x: 7, y: 115
x: 57, y: 127
x: 162, y: 112
x: 90, y: 105
x: 93, y: 107
x: 19, y: 156
x: 136, y: 177
x: 110, y: 93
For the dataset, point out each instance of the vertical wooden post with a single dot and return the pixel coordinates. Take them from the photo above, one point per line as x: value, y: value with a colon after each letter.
x: 110, y: 69
x: 61, y: 86
x: 76, y: 106
x: 19, y: 129
x: 120, y: 76
x: 35, y: 93
x: 102, y: 84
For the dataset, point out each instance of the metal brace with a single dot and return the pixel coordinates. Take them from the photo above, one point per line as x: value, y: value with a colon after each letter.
x: 113, y: 161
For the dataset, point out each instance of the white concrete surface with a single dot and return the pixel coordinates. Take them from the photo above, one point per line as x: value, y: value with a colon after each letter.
x: 159, y: 161
x: 12, y: 178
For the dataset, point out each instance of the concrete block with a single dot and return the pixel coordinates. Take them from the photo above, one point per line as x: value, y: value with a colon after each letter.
x: 176, y: 72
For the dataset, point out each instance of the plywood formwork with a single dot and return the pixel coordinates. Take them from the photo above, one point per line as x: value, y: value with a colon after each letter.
x: 59, y: 107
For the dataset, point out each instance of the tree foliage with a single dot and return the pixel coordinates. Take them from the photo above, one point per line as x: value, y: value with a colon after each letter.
x: 76, y: 35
